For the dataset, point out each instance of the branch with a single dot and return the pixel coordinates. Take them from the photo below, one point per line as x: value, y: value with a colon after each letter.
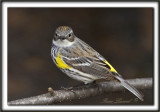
x: 55, y: 96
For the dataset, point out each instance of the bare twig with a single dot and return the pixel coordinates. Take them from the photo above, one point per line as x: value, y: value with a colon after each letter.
x: 55, y: 96
x: 50, y: 90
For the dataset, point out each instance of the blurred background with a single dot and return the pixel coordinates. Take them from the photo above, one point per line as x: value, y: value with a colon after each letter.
x: 122, y: 35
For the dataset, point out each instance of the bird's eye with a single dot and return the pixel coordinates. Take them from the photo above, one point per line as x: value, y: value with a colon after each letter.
x: 55, y: 36
x: 70, y: 35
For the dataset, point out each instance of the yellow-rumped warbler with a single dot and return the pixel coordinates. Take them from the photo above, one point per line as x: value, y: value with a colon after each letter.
x: 81, y: 62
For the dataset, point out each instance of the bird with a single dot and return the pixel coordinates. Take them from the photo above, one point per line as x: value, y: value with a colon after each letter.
x: 81, y: 62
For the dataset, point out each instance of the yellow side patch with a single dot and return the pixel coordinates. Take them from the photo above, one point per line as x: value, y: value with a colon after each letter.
x: 60, y: 63
x: 112, y: 69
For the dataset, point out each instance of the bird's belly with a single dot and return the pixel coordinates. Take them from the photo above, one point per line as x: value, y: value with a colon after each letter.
x: 86, y: 78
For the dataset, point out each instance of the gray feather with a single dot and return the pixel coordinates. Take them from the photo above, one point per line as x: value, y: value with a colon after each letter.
x: 130, y: 88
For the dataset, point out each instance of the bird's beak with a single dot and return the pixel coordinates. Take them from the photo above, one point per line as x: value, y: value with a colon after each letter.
x: 62, y: 37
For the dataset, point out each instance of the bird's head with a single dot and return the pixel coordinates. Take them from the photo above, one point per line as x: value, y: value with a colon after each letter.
x: 63, y: 36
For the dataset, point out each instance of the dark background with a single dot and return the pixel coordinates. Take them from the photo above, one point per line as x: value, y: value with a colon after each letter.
x: 122, y: 35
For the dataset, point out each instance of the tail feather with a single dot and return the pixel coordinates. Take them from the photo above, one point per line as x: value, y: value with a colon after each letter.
x: 131, y: 88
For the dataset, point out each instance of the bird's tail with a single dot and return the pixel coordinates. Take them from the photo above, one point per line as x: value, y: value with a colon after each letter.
x: 131, y: 88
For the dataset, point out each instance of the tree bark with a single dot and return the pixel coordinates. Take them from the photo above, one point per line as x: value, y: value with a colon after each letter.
x: 55, y: 96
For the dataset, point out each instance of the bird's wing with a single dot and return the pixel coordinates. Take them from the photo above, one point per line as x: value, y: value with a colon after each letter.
x: 89, y: 65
